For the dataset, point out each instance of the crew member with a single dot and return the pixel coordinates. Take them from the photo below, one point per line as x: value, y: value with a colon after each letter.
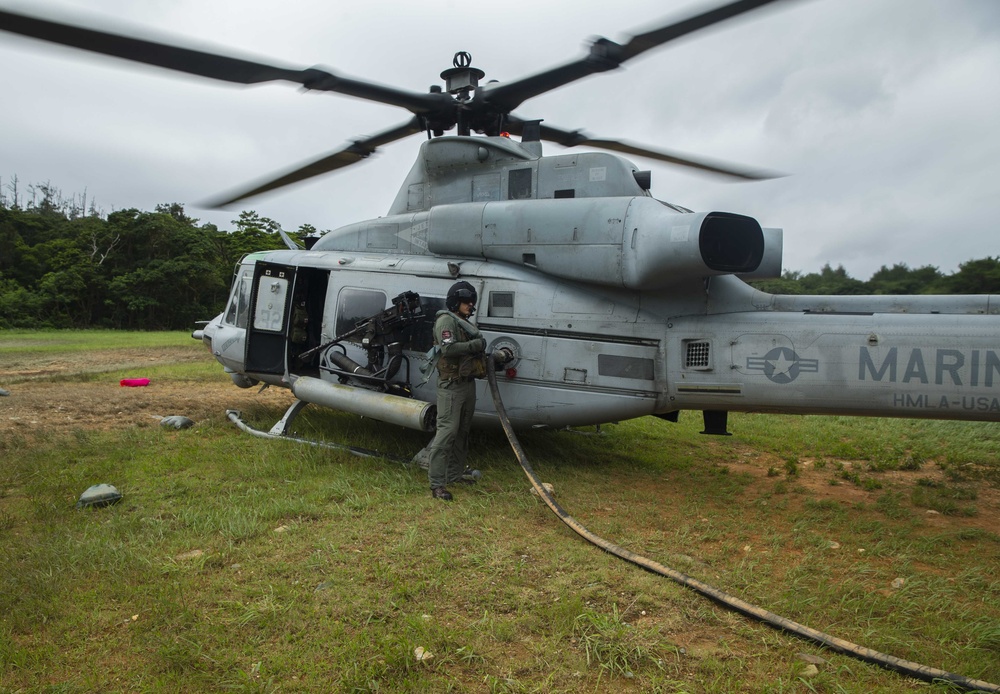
x: 462, y: 359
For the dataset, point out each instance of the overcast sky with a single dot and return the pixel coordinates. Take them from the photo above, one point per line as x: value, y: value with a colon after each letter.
x: 885, y: 113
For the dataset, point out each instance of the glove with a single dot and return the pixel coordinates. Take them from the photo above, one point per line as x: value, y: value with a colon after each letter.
x: 477, y: 345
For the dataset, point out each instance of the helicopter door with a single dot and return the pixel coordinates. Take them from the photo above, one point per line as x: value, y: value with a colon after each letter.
x: 270, y: 301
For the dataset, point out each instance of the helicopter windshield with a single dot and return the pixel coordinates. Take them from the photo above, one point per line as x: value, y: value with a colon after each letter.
x: 239, y: 303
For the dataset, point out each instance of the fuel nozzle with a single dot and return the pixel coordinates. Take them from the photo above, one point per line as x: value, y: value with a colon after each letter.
x: 502, y: 356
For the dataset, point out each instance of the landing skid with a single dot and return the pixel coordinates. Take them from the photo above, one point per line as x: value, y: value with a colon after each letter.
x: 280, y: 431
x: 281, y: 427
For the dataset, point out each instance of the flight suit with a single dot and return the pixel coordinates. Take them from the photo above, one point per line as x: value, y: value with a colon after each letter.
x: 462, y: 359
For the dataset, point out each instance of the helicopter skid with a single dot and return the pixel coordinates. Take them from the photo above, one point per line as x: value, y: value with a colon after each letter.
x: 280, y: 432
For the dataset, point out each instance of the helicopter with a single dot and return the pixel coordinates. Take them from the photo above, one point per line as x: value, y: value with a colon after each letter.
x: 610, y: 303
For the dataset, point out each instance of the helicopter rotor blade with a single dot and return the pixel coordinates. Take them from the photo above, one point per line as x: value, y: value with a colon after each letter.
x: 607, y: 55
x: 356, y: 151
x: 573, y: 138
x: 211, y: 65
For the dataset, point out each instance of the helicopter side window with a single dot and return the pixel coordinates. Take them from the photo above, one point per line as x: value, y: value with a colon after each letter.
x: 356, y: 305
x: 519, y: 184
x: 501, y: 305
x: 272, y: 299
x: 419, y: 337
x: 618, y: 366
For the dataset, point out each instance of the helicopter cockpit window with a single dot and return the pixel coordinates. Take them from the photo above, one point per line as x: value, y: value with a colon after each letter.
x: 239, y: 302
x: 356, y: 305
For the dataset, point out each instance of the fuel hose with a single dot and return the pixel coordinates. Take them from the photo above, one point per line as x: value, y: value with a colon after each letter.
x: 906, y: 667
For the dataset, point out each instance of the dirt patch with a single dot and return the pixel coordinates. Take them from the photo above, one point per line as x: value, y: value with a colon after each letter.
x: 42, y: 406
x: 46, y: 408
x: 825, y: 484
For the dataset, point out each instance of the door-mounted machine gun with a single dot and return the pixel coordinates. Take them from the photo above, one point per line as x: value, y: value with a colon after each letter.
x: 380, y: 335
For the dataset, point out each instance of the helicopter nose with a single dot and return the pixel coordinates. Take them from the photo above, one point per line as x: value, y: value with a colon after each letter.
x: 206, y: 333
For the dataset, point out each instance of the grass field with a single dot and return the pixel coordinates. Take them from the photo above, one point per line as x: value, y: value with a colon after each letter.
x: 240, y: 564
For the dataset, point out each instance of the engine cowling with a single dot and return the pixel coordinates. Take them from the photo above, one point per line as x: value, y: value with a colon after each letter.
x: 637, y: 243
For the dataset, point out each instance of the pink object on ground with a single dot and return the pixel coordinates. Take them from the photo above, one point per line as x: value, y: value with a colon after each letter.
x: 134, y: 382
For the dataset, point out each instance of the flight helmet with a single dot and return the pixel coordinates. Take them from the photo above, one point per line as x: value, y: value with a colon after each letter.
x: 460, y: 292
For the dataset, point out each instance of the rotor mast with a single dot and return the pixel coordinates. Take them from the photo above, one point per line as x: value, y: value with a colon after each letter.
x: 461, y: 81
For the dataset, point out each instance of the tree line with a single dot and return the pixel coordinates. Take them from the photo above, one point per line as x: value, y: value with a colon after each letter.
x: 63, y: 266
x: 980, y: 276
x: 133, y: 270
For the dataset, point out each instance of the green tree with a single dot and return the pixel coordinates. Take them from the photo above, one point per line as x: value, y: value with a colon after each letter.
x: 253, y: 233
x: 134, y: 269
x: 788, y: 283
x: 832, y: 281
x: 166, y: 275
x: 974, y: 277
x: 826, y: 281
x: 20, y: 307
x: 900, y: 279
